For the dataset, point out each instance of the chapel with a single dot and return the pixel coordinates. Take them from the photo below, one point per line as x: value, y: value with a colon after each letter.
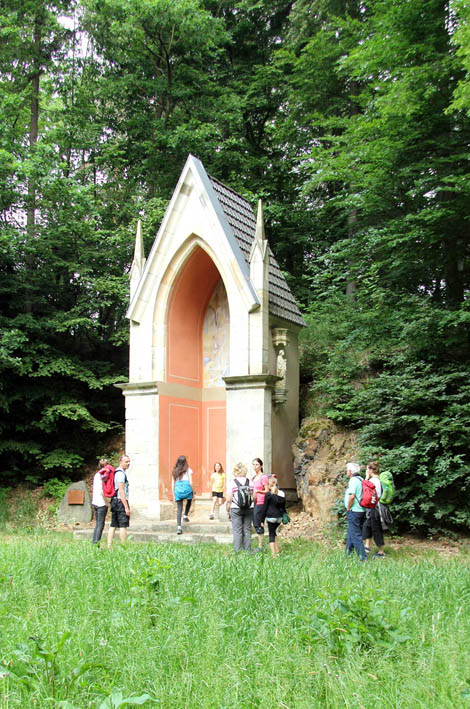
x: 213, y: 362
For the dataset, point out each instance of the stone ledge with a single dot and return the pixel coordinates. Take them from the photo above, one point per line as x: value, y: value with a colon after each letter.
x: 161, y: 536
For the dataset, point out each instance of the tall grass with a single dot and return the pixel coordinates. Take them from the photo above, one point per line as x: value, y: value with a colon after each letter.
x: 197, y: 626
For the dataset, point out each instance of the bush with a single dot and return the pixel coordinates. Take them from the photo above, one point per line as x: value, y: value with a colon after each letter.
x: 55, y: 488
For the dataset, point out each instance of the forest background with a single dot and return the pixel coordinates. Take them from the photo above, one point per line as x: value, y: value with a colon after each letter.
x: 351, y: 120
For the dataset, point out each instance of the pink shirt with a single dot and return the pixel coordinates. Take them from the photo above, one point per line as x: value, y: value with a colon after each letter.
x: 260, y: 485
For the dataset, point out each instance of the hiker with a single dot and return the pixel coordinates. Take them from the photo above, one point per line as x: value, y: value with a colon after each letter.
x: 120, y: 510
x: 100, y: 508
x: 273, y: 509
x: 182, y: 477
x: 372, y: 527
x: 354, y: 511
x: 218, y: 486
x: 260, y: 486
x: 240, y: 508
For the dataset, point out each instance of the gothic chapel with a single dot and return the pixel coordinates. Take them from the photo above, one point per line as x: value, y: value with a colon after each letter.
x: 214, y: 367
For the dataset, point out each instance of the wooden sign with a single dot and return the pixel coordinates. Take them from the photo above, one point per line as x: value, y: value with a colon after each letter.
x: 76, y: 497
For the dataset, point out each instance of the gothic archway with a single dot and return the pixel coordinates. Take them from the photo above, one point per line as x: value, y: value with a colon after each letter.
x: 192, y: 411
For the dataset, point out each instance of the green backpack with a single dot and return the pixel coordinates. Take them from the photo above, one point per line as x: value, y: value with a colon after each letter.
x: 388, y: 487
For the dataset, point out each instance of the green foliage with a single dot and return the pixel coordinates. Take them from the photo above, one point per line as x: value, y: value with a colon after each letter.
x: 351, y: 622
x: 55, y: 488
x: 382, y: 369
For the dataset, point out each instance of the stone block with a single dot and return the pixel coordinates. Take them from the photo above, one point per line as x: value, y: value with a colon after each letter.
x: 71, y: 514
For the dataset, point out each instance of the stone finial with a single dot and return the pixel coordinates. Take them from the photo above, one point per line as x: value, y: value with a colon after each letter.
x: 139, y: 258
x: 260, y: 235
x: 260, y: 240
x: 138, y: 263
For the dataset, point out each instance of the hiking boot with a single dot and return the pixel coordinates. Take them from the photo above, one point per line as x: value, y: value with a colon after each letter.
x: 211, y: 516
x: 179, y: 530
x: 185, y: 518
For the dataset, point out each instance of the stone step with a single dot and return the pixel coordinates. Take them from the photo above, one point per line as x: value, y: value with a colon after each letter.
x: 190, y: 535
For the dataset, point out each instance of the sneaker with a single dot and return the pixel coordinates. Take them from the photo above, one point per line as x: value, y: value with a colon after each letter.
x: 185, y: 518
x: 377, y: 555
x: 211, y: 516
x: 367, y: 550
x: 179, y: 530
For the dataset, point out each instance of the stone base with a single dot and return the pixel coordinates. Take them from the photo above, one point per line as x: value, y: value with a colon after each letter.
x: 215, y: 532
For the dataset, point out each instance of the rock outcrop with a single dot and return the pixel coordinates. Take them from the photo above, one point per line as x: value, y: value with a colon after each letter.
x: 321, y: 451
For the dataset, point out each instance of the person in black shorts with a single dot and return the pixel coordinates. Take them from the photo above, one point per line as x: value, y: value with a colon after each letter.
x: 120, y: 510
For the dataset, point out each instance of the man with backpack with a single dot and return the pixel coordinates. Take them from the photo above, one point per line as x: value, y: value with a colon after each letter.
x: 354, y: 511
x: 240, y: 508
x: 120, y: 511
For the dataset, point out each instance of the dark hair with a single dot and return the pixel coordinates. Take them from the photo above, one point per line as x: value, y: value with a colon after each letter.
x: 260, y: 462
x: 221, y: 466
x: 180, y: 468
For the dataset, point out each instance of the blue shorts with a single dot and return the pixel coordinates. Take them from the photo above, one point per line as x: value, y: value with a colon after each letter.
x: 183, y: 490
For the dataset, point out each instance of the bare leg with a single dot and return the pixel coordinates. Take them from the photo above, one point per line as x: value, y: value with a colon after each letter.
x: 273, y: 548
x: 111, y: 532
x: 123, y: 534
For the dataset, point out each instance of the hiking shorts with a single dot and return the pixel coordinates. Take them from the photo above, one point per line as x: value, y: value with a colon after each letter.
x: 118, y: 514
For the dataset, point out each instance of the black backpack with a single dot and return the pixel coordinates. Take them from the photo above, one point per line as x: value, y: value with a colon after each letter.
x: 245, y: 496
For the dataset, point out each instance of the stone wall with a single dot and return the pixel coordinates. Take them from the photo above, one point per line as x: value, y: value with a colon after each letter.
x: 321, y: 451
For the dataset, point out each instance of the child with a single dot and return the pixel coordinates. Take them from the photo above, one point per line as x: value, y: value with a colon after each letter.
x: 218, y: 486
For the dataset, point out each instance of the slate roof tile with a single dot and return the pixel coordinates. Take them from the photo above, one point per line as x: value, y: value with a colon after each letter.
x: 242, y: 221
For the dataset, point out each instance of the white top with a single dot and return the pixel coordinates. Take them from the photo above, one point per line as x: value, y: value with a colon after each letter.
x: 97, y: 497
x: 188, y: 475
x: 378, y: 485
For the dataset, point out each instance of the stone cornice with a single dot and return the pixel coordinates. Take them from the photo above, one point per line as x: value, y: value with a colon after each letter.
x: 137, y: 388
x: 178, y: 391
x: 251, y: 381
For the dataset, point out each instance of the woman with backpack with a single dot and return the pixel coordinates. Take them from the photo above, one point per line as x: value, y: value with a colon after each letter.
x: 182, y: 490
x: 273, y: 509
x: 240, y: 508
x: 372, y: 527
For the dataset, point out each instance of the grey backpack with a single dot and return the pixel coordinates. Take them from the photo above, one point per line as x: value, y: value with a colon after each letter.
x: 245, y: 496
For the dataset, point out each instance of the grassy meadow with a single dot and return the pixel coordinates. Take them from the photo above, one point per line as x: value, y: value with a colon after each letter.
x: 198, y: 626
